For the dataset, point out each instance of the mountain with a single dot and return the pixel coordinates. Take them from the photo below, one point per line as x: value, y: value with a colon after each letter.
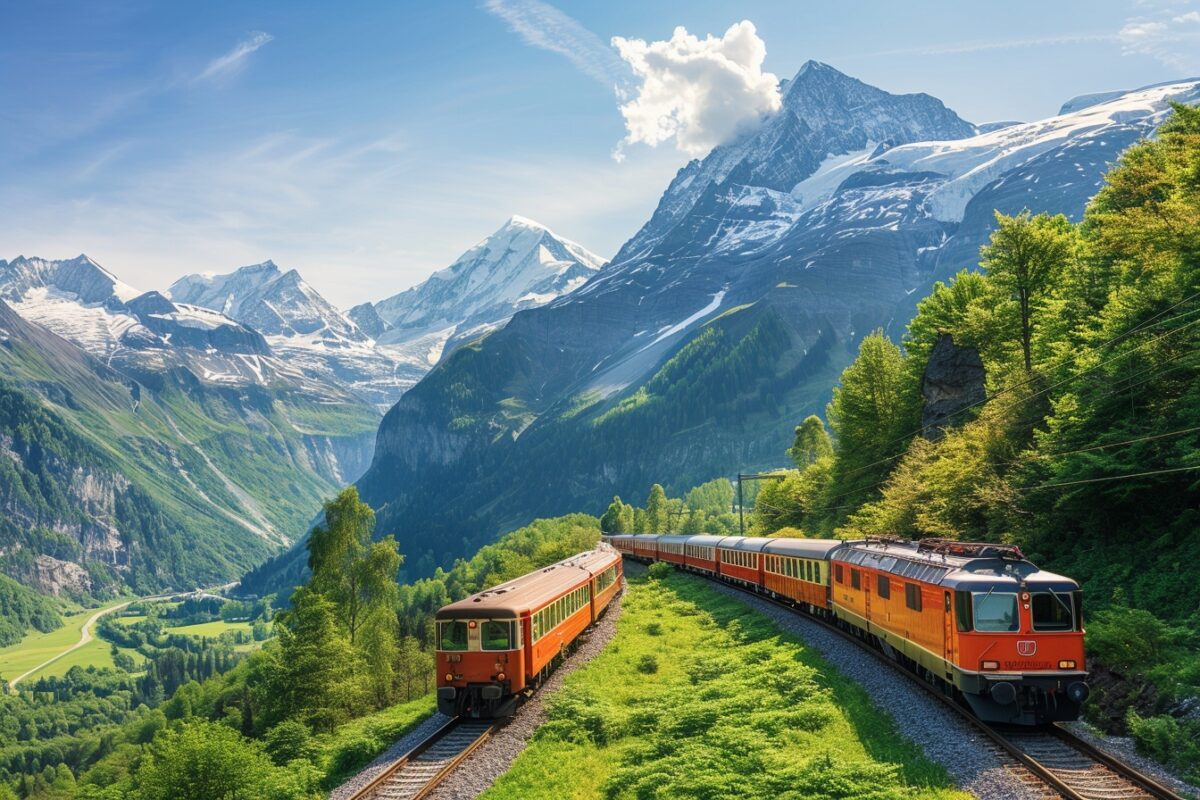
x: 735, y: 306
x: 522, y: 265
x: 305, y: 330
x: 189, y: 449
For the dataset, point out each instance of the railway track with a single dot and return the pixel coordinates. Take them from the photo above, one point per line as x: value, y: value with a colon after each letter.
x: 419, y: 770
x: 1051, y: 761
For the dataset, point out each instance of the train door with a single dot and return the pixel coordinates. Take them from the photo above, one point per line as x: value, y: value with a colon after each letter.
x: 948, y: 627
x: 866, y: 590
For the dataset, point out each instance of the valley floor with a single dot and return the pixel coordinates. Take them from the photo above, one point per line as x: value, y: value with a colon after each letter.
x: 57, y: 651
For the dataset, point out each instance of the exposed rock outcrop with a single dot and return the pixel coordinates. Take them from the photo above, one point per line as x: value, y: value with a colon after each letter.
x: 953, y: 380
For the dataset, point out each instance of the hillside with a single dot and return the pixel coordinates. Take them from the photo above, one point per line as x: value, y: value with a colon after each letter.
x: 748, y: 291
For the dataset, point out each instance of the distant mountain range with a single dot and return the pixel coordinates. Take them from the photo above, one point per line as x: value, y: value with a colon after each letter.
x: 195, y: 431
x: 730, y: 314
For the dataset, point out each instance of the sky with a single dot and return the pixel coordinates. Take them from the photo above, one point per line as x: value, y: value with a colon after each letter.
x: 368, y: 144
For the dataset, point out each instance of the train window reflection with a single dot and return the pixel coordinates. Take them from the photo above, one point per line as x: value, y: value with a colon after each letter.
x: 995, y: 611
x: 1052, y: 613
x: 452, y: 636
x: 497, y: 635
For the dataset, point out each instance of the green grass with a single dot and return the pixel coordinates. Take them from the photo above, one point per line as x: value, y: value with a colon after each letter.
x: 345, y: 751
x: 37, y: 647
x: 700, y: 697
x: 210, y: 629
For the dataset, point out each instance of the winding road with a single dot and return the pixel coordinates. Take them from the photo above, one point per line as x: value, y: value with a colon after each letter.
x: 85, y: 633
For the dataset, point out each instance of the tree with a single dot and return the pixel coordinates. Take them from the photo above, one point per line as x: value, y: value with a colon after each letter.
x: 811, y: 443
x: 617, y: 518
x: 313, y: 676
x: 354, y: 573
x: 203, y: 761
x: 1024, y: 255
x: 656, y: 510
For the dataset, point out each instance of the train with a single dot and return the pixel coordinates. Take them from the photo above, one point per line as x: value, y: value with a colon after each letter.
x: 496, y: 646
x: 976, y: 619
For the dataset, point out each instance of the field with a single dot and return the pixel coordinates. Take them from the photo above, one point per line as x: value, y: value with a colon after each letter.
x: 210, y: 629
x: 37, y: 647
x: 698, y: 696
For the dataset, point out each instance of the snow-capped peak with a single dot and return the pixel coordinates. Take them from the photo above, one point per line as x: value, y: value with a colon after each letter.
x: 521, y: 265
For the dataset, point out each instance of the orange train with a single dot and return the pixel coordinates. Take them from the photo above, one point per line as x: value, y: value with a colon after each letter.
x: 495, y: 645
x: 978, y: 619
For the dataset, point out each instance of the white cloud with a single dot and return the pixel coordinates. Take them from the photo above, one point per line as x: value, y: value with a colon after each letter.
x: 1165, y: 34
x: 697, y: 92
x: 235, y: 58
x: 542, y: 25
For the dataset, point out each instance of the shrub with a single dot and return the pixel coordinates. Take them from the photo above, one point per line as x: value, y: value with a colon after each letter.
x: 647, y: 665
x: 660, y: 569
x: 654, y: 629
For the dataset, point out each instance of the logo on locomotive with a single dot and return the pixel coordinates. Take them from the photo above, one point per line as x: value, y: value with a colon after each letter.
x: 1026, y: 647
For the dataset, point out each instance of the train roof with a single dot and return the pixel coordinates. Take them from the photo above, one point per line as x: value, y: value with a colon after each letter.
x: 524, y: 594
x: 704, y: 540
x: 801, y: 548
x: 964, y: 565
x: 674, y: 538
x: 753, y: 544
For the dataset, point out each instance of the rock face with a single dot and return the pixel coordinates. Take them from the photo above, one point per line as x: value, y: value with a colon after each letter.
x: 953, y: 379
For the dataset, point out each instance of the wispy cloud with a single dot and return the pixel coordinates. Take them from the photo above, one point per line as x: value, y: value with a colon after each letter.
x: 984, y: 45
x: 1169, y: 32
x: 542, y: 25
x: 234, y: 60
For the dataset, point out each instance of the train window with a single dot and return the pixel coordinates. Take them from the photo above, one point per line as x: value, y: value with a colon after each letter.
x: 837, y: 573
x: 817, y: 572
x: 912, y: 596
x: 452, y: 636
x: 883, y: 588
x: 962, y: 610
x: 855, y: 580
x: 498, y: 635
x: 1052, y: 611
x: 995, y: 611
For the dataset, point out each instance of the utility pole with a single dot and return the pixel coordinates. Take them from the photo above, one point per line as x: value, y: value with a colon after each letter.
x: 757, y: 476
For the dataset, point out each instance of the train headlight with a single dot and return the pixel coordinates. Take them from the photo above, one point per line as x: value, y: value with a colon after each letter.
x: 990, y: 665
x: 1067, y: 664
x: 501, y: 676
x: 449, y: 677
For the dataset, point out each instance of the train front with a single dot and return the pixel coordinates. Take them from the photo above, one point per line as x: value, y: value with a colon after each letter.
x: 1020, y: 646
x: 479, y: 669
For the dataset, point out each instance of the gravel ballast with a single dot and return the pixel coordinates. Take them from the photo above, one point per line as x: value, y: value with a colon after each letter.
x: 1123, y: 749
x: 965, y: 753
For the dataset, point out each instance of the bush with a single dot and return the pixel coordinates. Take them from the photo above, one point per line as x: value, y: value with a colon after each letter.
x: 288, y: 741
x: 660, y: 569
x: 647, y: 665
x: 654, y: 629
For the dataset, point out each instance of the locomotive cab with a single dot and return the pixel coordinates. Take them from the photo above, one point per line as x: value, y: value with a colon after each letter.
x: 478, y: 663
x: 1019, y: 653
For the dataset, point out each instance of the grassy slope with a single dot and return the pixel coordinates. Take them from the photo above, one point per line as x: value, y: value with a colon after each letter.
x: 352, y: 746
x: 36, y: 647
x: 624, y: 728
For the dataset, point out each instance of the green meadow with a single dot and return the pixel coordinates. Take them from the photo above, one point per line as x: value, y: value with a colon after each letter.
x: 699, y: 696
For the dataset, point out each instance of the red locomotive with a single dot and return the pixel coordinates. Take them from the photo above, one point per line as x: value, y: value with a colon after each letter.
x: 977, y: 619
x: 495, y: 645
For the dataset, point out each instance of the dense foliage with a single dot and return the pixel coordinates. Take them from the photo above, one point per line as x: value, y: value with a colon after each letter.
x: 1086, y: 451
x: 22, y: 609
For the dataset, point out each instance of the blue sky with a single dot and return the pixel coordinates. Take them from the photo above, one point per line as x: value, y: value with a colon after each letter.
x: 368, y: 144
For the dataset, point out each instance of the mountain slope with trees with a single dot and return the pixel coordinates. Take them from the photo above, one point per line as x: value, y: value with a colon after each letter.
x: 1084, y: 449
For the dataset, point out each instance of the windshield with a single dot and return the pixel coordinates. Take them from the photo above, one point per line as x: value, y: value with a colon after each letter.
x: 995, y: 611
x: 452, y: 635
x: 498, y: 635
x: 1053, y: 613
